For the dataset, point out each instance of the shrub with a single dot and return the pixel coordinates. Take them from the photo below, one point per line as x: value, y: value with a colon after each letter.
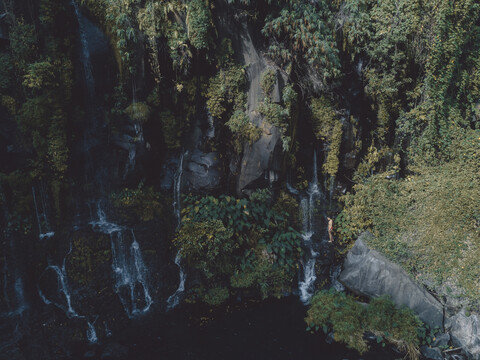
x: 243, y: 130
x: 267, y: 82
x: 138, y: 111
x: 349, y: 320
x: 198, y: 23
x: 225, y: 91
x: 242, y: 241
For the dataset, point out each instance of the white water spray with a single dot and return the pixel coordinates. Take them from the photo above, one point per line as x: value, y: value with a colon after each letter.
x: 306, y: 285
x: 129, y: 270
x: 91, y: 333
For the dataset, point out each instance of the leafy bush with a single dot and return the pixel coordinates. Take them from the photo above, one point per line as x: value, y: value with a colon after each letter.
x: 267, y: 82
x: 302, y: 30
x: 243, y: 130
x: 206, y: 245
x: 138, y: 111
x: 349, y: 320
x: 225, y: 91
x: 216, y: 296
x: 198, y: 23
x: 242, y: 241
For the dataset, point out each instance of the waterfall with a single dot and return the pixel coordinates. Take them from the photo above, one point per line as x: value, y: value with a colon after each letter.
x: 13, y: 289
x: 108, y: 332
x: 85, y: 58
x: 91, y: 333
x: 36, y: 211
x: 211, y: 127
x: 291, y: 189
x: 62, y: 287
x: 334, y: 274
x: 174, y: 299
x: 307, y: 205
x: 42, y: 217
x: 129, y: 270
x: 177, y: 190
x: 16, y: 305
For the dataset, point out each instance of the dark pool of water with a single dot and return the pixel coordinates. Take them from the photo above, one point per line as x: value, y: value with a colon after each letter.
x: 272, y: 329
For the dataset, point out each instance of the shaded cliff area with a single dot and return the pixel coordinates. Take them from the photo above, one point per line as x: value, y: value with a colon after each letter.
x: 160, y: 153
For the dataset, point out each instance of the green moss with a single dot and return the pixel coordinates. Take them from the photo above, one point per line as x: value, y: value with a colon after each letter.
x: 171, y: 129
x: 89, y: 256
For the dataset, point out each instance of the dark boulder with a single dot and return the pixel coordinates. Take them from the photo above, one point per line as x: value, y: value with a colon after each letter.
x: 202, y: 171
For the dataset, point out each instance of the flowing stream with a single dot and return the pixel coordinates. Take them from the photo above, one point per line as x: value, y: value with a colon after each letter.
x: 39, y: 201
x: 62, y: 288
x: 306, y: 285
x: 174, y: 299
x: 128, y: 266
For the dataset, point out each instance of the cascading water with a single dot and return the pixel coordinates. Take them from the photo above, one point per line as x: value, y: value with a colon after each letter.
x: 307, y: 204
x: 41, y: 212
x: 87, y: 64
x: 174, y: 299
x: 62, y: 288
x: 91, y: 333
x: 128, y: 267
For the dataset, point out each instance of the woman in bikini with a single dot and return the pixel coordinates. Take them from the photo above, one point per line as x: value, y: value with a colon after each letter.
x: 330, y: 229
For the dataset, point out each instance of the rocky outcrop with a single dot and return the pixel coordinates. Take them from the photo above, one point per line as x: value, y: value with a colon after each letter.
x: 261, y: 160
x: 368, y: 273
x: 465, y: 333
x: 202, y: 172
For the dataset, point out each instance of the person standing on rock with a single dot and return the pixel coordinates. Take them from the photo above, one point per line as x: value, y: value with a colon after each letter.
x: 330, y: 229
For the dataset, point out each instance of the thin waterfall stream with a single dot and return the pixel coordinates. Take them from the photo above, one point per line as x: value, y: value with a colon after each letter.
x: 128, y: 267
x: 174, y: 299
x: 308, y: 205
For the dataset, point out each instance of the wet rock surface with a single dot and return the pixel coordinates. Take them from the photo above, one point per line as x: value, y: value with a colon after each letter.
x: 202, y: 171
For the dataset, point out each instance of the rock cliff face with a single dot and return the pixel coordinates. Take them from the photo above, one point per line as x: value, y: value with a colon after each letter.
x: 368, y: 273
x: 261, y: 161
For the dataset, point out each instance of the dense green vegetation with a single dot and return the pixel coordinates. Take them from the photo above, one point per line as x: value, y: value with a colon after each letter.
x: 429, y: 221
x: 393, y: 84
x: 240, y: 243
x: 350, y: 320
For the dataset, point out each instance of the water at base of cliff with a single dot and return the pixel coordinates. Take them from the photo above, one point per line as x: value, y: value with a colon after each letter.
x: 270, y: 329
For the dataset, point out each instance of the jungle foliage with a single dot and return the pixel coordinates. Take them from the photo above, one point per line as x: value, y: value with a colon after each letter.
x: 240, y: 243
